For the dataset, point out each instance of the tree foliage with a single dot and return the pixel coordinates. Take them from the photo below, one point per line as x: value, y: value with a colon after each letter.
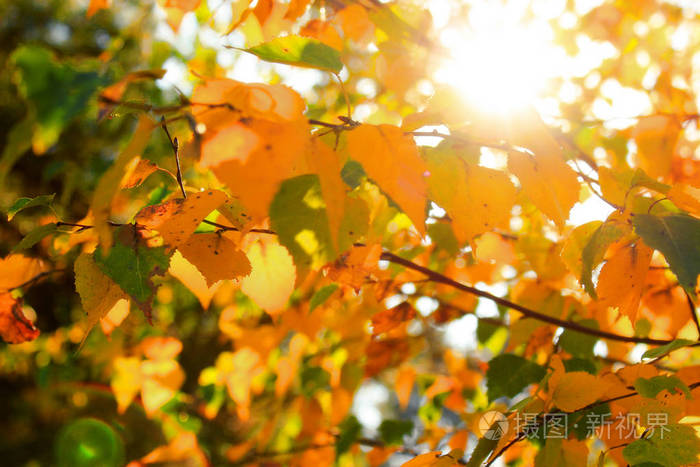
x: 345, y: 260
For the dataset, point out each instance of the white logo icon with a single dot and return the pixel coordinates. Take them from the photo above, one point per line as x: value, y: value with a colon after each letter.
x: 493, y: 425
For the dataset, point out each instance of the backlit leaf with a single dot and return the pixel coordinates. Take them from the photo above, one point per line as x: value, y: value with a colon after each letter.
x: 98, y: 293
x: 299, y: 51
x: 594, y: 251
x: 272, y: 278
x: 670, y: 445
x: 35, y: 236
x: 391, y: 159
x: 216, y: 257
x: 677, y: 236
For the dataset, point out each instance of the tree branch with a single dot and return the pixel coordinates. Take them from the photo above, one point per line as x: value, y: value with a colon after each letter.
x: 437, y: 277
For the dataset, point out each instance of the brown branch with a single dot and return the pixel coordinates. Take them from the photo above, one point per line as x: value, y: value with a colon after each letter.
x: 36, y: 279
x: 693, y: 313
x: 437, y: 277
x: 176, y: 151
x: 236, y: 229
x: 521, y: 436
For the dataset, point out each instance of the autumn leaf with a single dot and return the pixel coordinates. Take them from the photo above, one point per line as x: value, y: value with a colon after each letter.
x: 390, y: 158
x: 477, y: 199
x: 17, y: 269
x: 15, y: 327
x: 216, y: 257
x: 621, y: 279
x: 98, y: 293
x: 272, y: 277
x: 177, y: 220
x: 547, y: 181
x: 132, y: 264
x: 388, y: 319
x: 192, y: 278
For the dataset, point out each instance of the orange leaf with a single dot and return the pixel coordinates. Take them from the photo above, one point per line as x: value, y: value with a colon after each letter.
x: 621, y: 280
x: 177, y: 220
x: 549, y: 183
x: 324, y: 32
x: 138, y: 171
x: 387, y: 320
x: 15, y: 328
x: 254, y: 177
x: 95, y: 6
x: 16, y: 269
x: 391, y: 158
x: 192, y: 278
x: 271, y: 281
x: 685, y: 197
x: 355, y: 22
x: 183, y: 449
x: 216, y: 257
x: 656, y: 137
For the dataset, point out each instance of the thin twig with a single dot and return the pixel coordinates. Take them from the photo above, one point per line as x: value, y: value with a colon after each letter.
x: 521, y: 436
x: 693, y: 313
x: 176, y: 151
x: 236, y: 229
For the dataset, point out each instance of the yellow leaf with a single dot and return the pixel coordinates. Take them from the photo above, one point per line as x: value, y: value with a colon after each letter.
x: 176, y: 220
x: 424, y: 460
x: 271, y: 281
x: 98, y: 293
x: 126, y: 381
x: 477, y: 199
x: 108, y: 185
x: 391, y: 159
x: 191, y: 278
x: 324, y: 162
x: 656, y: 137
x: 115, y: 317
x: 549, y: 183
x: 216, y: 257
x: 576, y: 390
x: 621, y: 280
x: 686, y: 197
x: 16, y: 269
x: 161, y: 380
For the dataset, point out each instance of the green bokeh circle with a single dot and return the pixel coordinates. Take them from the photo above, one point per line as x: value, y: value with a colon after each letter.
x: 89, y: 442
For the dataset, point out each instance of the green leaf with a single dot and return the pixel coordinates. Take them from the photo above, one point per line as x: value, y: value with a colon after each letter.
x: 298, y: 215
x: 35, y: 236
x: 25, y: 203
x: 393, y: 431
x: 594, y: 251
x: 132, y: 264
x: 669, y: 445
x: 650, y: 387
x: 509, y: 374
x: 443, y: 237
x: 18, y: 141
x: 57, y: 92
x: 482, y: 450
x: 579, y: 344
x: 321, y: 296
x: 350, y: 431
x: 677, y: 236
x: 666, y: 349
x: 352, y: 173
x: 299, y: 51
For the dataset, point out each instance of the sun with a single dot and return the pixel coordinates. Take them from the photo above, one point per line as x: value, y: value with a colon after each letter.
x: 500, y: 61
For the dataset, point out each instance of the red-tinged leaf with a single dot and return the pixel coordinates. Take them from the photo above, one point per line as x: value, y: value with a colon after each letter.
x: 391, y: 158
x: 15, y: 328
x: 386, y: 320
